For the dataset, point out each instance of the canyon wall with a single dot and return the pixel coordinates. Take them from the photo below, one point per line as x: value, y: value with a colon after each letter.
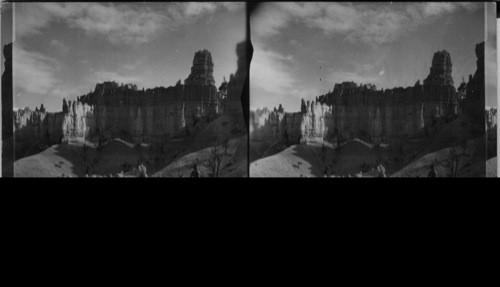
x: 122, y: 111
x: 36, y: 129
x: 150, y: 115
x: 362, y: 111
x: 154, y: 115
x: 138, y: 116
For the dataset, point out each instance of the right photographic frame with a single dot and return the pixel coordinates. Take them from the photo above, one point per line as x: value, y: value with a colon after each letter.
x: 341, y: 89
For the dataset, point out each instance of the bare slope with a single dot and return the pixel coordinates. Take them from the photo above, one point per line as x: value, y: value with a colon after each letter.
x: 199, y: 150
x: 174, y: 160
x: 295, y: 161
x: 491, y: 167
x: 56, y: 161
x: 316, y: 158
x: 436, y: 150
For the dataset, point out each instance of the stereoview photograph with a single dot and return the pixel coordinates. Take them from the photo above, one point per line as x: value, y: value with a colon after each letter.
x: 372, y: 90
x: 129, y: 89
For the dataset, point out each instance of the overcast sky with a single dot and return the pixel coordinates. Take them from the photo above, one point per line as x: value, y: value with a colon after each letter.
x: 63, y: 49
x: 303, y: 49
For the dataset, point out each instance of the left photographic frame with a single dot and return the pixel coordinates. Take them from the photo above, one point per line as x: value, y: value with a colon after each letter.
x: 125, y: 89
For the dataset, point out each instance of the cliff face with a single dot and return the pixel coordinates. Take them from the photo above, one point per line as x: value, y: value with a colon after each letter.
x: 122, y: 111
x: 79, y: 123
x: 377, y: 116
x: 202, y: 70
x: 150, y: 115
x: 35, y: 129
x: 440, y: 73
x: 365, y: 113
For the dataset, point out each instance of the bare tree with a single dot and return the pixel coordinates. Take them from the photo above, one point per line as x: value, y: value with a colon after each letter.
x: 219, y: 151
x: 456, y: 155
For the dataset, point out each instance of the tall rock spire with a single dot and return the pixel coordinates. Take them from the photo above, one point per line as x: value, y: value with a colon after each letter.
x: 440, y: 73
x: 202, y: 70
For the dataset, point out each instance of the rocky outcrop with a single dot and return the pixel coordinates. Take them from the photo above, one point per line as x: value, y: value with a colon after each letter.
x: 79, y: 123
x: 202, y: 70
x: 362, y: 111
x: 315, y: 123
x: 440, y: 73
x: 35, y: 130
x: 122, y: 111
x: 162, y: 112
x: 365, y: 113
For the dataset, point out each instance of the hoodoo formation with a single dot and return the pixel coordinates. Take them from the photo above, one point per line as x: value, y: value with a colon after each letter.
x: 362, y: 111
x: 202, y: 69
x: 440, y: 73
x: 123, y: 111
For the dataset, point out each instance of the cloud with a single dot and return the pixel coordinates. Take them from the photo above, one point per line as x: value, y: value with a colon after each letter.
x: 233, y: 6
x: 119, y: 23
x: 270, y: 77
x: 37, y: 75
x: 273, y: 80
x: 294, y: 43
x: 381, y: 73
x: 192, y: 9
x: 437, y: 8
x: 59, y: 46
x: 129, y: 67
x: 371, y: 24
x: 29, y: 19
x: 65, y: 92
x: 335, y: 18
x: 199, y: 9
x: 380, y: 27
x: 431, y: 9
x: 271, y: 71
x: 34, y: 72
x: 268, y: 20
x: 303, y: 93
x: 36, y: 78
